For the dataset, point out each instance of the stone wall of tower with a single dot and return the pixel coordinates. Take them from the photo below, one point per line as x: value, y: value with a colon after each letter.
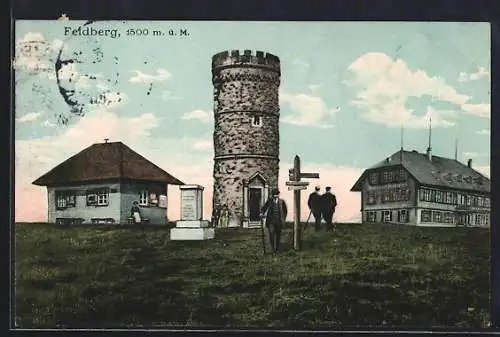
x: 245, y: 86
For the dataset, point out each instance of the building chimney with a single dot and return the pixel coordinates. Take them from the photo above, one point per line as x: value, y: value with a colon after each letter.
x: 469, y: 163
x: 106, y: 140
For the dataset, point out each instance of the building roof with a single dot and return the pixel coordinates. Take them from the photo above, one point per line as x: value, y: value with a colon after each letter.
x: 104, y: 161
x: 438, y: 172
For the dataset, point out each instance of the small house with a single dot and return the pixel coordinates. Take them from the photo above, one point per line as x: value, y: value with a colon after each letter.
x: 100, y: 184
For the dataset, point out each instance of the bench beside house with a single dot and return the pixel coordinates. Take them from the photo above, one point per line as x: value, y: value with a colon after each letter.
x: 99, y: 184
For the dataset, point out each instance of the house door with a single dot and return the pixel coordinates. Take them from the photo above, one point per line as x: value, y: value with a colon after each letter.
x: 254, y: 200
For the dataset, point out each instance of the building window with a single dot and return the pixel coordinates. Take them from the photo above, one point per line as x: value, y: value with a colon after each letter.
x: 256, y: 121
x: 478, y: 219
x: 143, y: 198
x: 480, y: 201
x: 385, y: 196
x: 448, y: 217
x: 371, y: 198
x: 455, y: 198
x: 371, y: 216
x: 65, y: 199
x: 390, y: 176
x: 386, y: 216
x: 98, y: 197
x: 468, y: 200
x: 460, y: 199
x: 425, y: 216
x: 436, y: 216
x: 486, y: 202
x: 449, y: 197
x: 403, y: 215
x: 402, y: 175
x: 439, y: 196
x: 373, y: 178
x: 385, y: 177
x: 474, y: 201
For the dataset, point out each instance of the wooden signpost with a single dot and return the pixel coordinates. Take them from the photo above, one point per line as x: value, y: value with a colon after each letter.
x: 296, y: 185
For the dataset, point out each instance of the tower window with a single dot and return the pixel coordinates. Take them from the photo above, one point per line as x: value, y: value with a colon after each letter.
x: 256, y: 121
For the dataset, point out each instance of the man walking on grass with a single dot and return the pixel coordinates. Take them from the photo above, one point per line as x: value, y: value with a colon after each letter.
x: 275, y: 219
x: 314, y: 203
x: 329, y: 204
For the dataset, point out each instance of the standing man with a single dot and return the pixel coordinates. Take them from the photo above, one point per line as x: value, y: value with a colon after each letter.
x: 329, y: 204
x: 314, y: 203
x: 275, y: 219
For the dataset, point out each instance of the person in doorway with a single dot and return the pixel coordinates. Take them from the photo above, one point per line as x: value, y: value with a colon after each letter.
x: 329, y: 203
x: 135, y: 212
x: 276, y: 211
x: 314, y: 203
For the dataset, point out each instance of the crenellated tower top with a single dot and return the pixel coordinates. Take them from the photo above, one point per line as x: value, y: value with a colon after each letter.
x: 234, y: 58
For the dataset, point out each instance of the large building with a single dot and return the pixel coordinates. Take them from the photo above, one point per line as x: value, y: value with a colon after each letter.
x: 421, y: 189
x: 246, y: 132
x: 100, y: 183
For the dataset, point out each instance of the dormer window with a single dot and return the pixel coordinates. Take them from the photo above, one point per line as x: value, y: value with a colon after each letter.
x: 257, y: 121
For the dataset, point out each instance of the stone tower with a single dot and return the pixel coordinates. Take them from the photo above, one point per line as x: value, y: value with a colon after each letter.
x: 246, y: 132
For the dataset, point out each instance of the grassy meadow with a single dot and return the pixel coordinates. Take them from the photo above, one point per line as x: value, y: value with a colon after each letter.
x: 369, y: 275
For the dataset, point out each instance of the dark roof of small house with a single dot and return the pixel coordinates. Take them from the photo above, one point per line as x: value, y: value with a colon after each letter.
x: 439, y: 172
x: 104, y: 161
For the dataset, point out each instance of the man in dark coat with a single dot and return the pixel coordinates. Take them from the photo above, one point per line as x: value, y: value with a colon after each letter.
x: 314, y: 203
x: 329, y: 204
x: 275, y: 219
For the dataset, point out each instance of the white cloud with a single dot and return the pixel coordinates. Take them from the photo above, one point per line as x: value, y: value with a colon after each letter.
x: 29, y: 117
x: 203, y: 144
x: 300, y: 63
x: 308, y: 110
x: 167, y: 96
x: 482, y: 110
x: 201, y: 115
x: 48, y: 124
x: 384, y: 86
x: 34, y: 54
x: 480, y: 73
x: 483, y: 132
x: 473, y: 154
x: 140, y: 77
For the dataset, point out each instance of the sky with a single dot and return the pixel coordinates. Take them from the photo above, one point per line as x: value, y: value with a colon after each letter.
x: 347, y: 90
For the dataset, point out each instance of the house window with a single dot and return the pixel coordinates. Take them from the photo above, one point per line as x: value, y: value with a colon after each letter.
x: 390, y: 176
x: 486, y: 202
x: 439, y: 196
x: 461, y: 199
x: 478, y: 219
x: 425, y: 216
x: 402, y: 175
x: 468, y: 200
x: 385, y: 177
x: 65, y: 199
x: 449, y: 197
x: 474, y: 201
x: 455, y: 200
x: 371, y: 198
x: 386, y: 216
x: 448, y: 217
x: 437, y: 216
x: 256, y: 121
x: 371, y: 216
x: 98, y: 197
x: 143, y: 198
x: 373, y: 178
x: 385, y: 196
x: 403, y: 215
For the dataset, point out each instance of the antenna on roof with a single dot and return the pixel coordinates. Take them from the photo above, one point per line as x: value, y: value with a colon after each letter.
x: 429, y: 149
x: 456, y: 149
x: 401, y: 151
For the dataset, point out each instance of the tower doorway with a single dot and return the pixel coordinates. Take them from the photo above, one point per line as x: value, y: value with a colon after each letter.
x: 254, y: 202
x: 255, y: 191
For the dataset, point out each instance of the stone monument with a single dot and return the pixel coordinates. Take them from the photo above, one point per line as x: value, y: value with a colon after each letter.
x: 191, y: 226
